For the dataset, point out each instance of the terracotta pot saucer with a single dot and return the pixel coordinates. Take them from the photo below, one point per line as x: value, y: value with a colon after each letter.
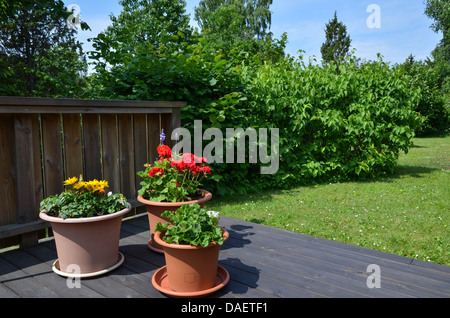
x: 160, y: 282
x: 56, y: 269
x: 152, y: 246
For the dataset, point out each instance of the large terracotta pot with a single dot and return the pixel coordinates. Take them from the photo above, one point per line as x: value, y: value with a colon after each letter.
x: 155, y: 209
x: 87, y: 246
x: 190, y: 271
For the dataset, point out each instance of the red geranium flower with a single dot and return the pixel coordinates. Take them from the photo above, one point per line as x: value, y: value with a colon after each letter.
x: 179, y: 164
x: 154, y: 171
x: 185, y: 171
x: 206, y: 169
x: 164, y: 151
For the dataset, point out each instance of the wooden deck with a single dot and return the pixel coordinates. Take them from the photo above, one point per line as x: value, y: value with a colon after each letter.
x: 263, y: 262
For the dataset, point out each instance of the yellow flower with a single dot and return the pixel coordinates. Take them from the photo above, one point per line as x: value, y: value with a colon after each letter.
x: 71, y: 181
x: 95, y: 185
x: 103, y: 184
x: 88, y: 185
x: 79, y: 185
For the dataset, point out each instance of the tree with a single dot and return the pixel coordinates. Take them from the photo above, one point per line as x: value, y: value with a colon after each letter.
x: 148, y: 21
x: 159, y: 59
x: 337, y: 42
x: 431, y: 104
x: 141, y: 23
x: 29, y: 32
x: 439, y: 11
x: 222, y: 25
x: 239, y: 29
x: 249, y: 17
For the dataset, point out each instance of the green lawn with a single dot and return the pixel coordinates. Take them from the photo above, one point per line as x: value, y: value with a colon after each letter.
x: 406, y: 214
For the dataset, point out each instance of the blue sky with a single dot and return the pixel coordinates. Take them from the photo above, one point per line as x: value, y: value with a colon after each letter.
x: 403, y: 27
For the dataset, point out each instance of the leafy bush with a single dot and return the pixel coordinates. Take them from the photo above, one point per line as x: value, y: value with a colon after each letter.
x: 432, y: 98
x: 184, y: 71
x: 191, y: 225
x: 333, y: 126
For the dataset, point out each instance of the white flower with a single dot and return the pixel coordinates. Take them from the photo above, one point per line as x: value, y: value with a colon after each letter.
x: 109, y: 193
x: 213, y: 214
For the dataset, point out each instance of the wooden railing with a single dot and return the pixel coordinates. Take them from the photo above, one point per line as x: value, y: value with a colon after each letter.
x: 43, y: 141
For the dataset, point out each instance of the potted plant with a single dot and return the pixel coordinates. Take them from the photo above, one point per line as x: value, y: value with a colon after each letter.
x: 172, y: 181
x: 86, y: 225
x: 191, y: 243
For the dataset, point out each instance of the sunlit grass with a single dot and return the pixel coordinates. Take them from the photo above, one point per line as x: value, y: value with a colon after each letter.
x: 406, y: 214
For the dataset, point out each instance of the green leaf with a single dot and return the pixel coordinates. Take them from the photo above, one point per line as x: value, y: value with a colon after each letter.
x: 213, y: 82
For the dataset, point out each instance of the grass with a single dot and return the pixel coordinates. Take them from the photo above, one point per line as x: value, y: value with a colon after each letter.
x: 407, y: 214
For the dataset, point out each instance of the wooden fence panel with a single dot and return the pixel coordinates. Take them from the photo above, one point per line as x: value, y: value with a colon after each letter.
x: 165, y: 124
x: 37, y: 160
x: 44, y: 141
x: 73, y: 151
x: 92, y: 152
x: 154, y: 130
x: 25, y: 174
x: 126, y: 155
x: 7, y: 171
x: 110, y: 151
x: 52, y: 154
x: 141, y: 154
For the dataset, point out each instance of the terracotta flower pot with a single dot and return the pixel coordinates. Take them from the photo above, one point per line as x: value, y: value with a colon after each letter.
x: 155, y: 209
x: 91, y: 243
x: 190, y: 270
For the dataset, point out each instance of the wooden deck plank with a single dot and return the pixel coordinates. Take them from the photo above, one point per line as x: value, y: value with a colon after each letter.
x: 5, y: 292
x: 43, y: 273
x: 331, y: 251
x: 306, y: 277
x: 263, y: 262
x: 329, y: 258
x: 324, y: 278
x: 21, y: 283
x: 110, y: 285
x: 336, y: 270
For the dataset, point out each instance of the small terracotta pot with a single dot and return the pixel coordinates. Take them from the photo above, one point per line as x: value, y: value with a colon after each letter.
x: 91, y: 243
x: 190, y: 269
x: 155, y: 209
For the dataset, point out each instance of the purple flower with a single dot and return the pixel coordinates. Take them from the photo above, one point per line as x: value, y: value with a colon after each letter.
x: 162, y: 137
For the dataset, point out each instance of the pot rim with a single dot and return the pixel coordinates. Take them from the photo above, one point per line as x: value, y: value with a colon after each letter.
x: 43, y: 215
x: 160, y: 241
x: 207, y: 196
